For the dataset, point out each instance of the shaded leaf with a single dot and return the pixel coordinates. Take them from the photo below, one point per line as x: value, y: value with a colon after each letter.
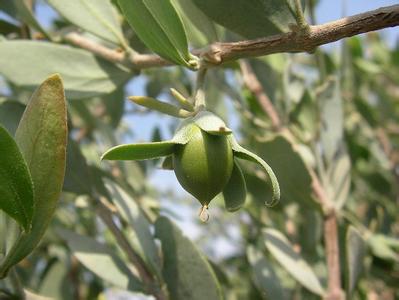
x: 243, y: 153
x: 261, y: 18
x: 41, y: 137
x: 26, y: 63
x: 355, y: 253
x: 381, y: 247
x: 159, y: 27
x: 10, y: 114
x: 331, y: 118
x: 264, y: 276
x: 97, y: 17
x: 140, y: 234
x: 16, y: 186
x: 56, y: 283
x: 115, y: 105
x: 292, y: 262
x: 186, y: 272
x: 235, y: 191
x: 140, y: 151
x: 100, y: 260
x: 24, y: 13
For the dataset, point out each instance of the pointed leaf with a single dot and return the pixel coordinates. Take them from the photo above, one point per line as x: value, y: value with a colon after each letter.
x: 140, y: 234
x: 140, y: 151
x: 41, y: 137
x: 97, y: 17
x: 187, y: 273
x: 355, y: 253
x: 10, y: 114
x: 243, y: 153
x: 261, y: 18
x: 160, y: 106
x: 16, y: 186
x: 26, y: 63
x: 100, y: 260
x: 159, y: 27
x: 264, y: 276
x: 283, y: 252
x: 235, y: 191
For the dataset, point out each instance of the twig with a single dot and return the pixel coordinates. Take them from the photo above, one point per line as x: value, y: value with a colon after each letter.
x: 295, y: 41
x: 106, y: 215
x: 253, y: 84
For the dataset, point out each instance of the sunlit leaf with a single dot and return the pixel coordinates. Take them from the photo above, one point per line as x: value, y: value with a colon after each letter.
x: 42, y: 138
x: 27, y: 63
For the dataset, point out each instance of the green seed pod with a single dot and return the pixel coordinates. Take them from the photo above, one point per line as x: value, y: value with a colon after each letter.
x: 204, y: 165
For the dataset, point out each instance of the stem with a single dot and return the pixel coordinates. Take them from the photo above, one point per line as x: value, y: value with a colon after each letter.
x: 199, y: 92
x: 219, y: 53
x: 299, y: 16
x: 335, y: 291
x: 152, y: 286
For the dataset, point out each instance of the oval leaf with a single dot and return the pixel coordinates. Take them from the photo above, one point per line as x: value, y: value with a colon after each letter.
x: 41, y: 137
x: 243, y: 153
x: 97, y: 17
x: 293, y: 263
x: 235, y: 191
x: 16, y: 186
x: 159, y: 26
x: 26, y: 63
x: 140, y: 151
x: 187, y: 273
x: 355, y: 253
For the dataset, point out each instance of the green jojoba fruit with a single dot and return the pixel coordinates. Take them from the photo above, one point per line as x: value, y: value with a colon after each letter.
x: 204, y: 165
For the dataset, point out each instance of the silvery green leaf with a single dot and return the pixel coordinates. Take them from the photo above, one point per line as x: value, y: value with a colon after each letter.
x: 293, y: 263
x: 355, y: 253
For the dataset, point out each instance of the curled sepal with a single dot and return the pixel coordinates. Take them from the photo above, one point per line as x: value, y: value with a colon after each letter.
x: 243, y: 153
x: 235, y: 191
x: 211, y: 123
x: 160, y: 106
x: 140, y: 151
x: 183, y: 101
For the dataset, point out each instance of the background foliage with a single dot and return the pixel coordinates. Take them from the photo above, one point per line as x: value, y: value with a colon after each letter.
x: 338, y: 111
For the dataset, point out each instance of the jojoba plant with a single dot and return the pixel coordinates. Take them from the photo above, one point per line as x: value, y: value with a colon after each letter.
x: 203, y: 153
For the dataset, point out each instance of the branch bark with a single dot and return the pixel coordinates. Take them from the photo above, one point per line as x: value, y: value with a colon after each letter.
x: 295, y: 41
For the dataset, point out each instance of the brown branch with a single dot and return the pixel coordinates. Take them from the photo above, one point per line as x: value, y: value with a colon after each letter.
x: 297, y: 41
x: 253, y: 84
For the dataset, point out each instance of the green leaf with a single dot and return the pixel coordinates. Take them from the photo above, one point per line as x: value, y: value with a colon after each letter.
x: 97, y: 17
x: 292, y: 262
x: 251, y: 19
x: 115, y: 105
x: 160, y: 28
x: 187, y: 273
x: 160, y: 106
x: 293, y: 175
x: 200, y: 29
x: 138, y: 226
x: 167, y: 163
x: 264, y: 276
x: 235, y: 191
x: 339, y: 182
x: 211, y: 123
x: 27, y: 63
x: 243, y: 153
x: 41, y: 137
x: 380, y: 246
x: 100, y: 260
x: 56, y: 283
x: 331, y: 119
x: 10, y: 114
x: 16, y: 186
x: 355, y: 253
x: 140, y: 151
